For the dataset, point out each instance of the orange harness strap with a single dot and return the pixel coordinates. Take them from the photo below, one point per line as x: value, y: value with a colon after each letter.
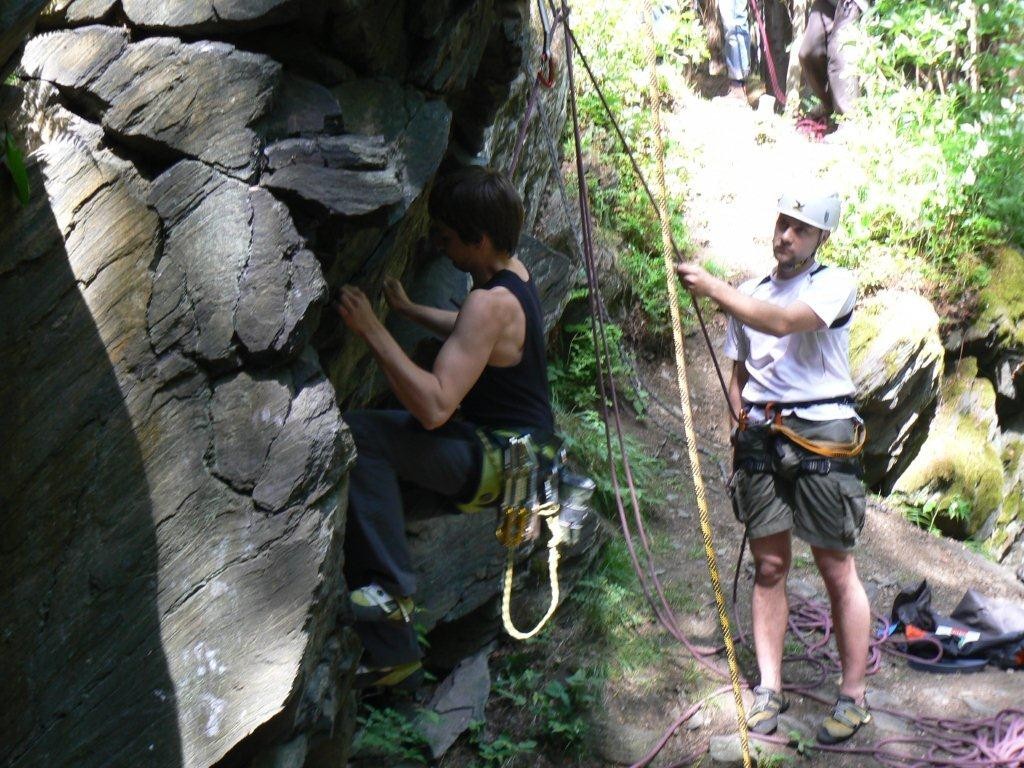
x: 824, y: 448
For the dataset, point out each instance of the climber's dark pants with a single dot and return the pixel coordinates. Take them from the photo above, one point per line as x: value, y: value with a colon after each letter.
x: 391, y: 446
x: 825, y: 54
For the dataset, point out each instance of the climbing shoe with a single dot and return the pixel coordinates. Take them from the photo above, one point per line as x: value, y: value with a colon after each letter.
x: 845, y: 720
x: 763, y: 717
x: 373, y: 603
x: 403, y: 677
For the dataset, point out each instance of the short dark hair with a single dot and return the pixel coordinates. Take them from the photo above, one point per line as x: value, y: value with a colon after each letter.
x: 477, y: 201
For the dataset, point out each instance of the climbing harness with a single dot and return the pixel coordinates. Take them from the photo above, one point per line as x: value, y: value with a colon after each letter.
x: 525, y: 477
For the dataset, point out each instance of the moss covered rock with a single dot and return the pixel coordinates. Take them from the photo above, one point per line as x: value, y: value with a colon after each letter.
x: 1007, y: 524
x: 956, y: 480
x: 896, y: 361
x: 1002, y: 300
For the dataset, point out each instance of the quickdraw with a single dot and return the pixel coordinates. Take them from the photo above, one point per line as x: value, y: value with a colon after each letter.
x: 546, y: 76
x: 528, y: 483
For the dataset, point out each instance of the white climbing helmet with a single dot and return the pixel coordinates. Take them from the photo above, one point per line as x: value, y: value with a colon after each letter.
x: 820, y: 210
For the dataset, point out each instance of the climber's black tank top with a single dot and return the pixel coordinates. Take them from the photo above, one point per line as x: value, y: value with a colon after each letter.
x: 517, y: 395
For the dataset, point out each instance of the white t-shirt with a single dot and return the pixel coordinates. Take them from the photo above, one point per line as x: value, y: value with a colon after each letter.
x: 801, y: 366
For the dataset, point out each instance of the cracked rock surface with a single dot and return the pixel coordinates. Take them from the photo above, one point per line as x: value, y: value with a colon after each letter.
x: 203, y: 175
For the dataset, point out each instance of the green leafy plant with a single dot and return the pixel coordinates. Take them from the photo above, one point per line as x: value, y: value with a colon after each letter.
x: 766, y: 759
x: 387, y: 734
x: 924, y: 516
x: 802, y: 743
x: 941, y: 180
x: 14, y: 162
x: 500, y: 752
x: 558, y: 706
x: 957, y: 510
x: 617, y: 619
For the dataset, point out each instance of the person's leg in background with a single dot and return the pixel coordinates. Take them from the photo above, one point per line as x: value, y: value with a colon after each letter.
x: 737, y: 45
x: 842, y: 78
x: 814, y: 54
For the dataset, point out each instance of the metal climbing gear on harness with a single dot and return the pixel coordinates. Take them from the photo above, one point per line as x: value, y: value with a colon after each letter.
x: 527, y: 482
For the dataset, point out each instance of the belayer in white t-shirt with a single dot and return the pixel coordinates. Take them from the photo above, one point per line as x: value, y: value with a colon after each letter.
x: 796, y: 450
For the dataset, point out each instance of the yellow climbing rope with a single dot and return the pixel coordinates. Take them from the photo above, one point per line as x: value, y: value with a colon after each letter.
x: 684, y: 390
x: 549, y: 514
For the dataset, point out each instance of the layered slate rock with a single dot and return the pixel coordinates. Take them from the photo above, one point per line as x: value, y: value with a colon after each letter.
x: 234, y: 277
x: 208, y: 15
x: 174, y: 515
x: 1004, y: 531
x: 16, y: 20
x: 158, y: 519
x: 76, y: 12
x: 345, y: 175
x: 896, y: 361
x: 160, y: 95
x: 958, y: 475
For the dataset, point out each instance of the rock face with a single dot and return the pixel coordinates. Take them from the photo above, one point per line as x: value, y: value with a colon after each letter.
x: 896, y: 358
x: 176, y: 536
x: 1004, y: 531
x: 203, y: 175
x: 160, y: 95
x: 996, y: 337
x: 16, y: 19
x: 958, y: 475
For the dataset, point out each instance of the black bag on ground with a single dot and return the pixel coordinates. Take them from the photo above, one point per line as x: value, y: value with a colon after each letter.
x: 979, y: 628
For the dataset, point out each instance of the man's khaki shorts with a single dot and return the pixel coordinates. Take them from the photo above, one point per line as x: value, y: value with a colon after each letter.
x: 825, y: 510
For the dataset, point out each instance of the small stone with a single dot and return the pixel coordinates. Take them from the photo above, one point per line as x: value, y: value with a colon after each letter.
x: 726, y: 750
x: 459, y: 700
x: 699, y: 720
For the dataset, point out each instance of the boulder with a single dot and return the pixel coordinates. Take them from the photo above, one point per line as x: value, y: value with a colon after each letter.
x: 1003, y: 532
x: 958, y: 475
x: 998, y: 331
x: 896, y: 362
